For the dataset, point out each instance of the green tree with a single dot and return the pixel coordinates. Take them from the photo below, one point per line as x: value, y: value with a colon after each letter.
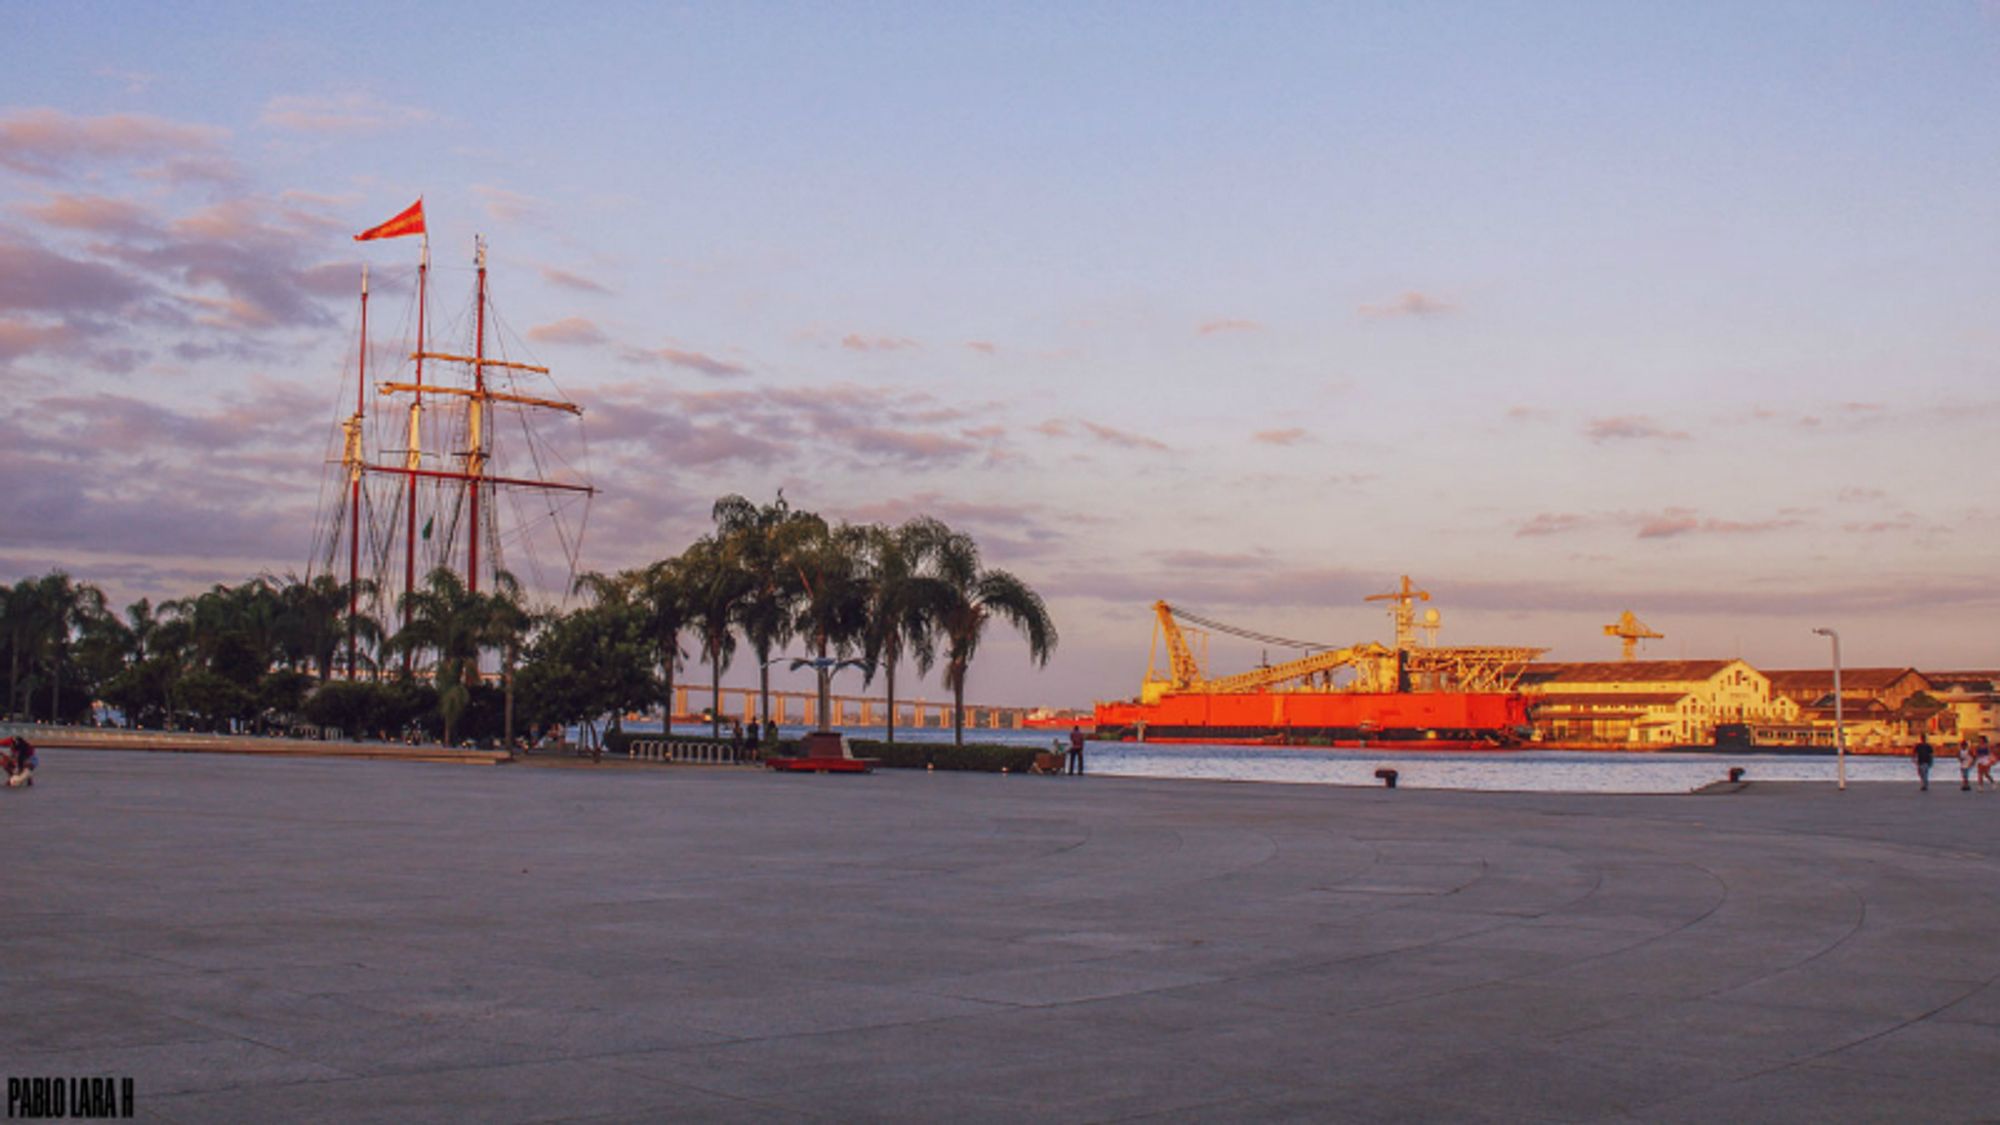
x: 904, y: 602
x: 664, y: 599
x: 765, y: 543
x: 974, y: 596
x: 832, y: 615
x: 716, y: 588
x: 455, y: 625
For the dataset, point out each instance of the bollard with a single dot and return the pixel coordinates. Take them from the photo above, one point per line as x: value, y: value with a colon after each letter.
x: 1735, y: 773
x: 1388, y: 778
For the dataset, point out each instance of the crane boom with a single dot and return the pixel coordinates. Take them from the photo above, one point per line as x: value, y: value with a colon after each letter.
x: 1183, y: 668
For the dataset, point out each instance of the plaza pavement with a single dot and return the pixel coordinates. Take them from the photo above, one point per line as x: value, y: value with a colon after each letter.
x: 273, y: 940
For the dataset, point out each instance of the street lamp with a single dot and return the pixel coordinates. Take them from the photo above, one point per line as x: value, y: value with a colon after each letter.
x: 1839, y: 727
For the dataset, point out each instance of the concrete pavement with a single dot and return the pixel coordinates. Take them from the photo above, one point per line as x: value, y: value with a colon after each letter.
x: 253, y: 939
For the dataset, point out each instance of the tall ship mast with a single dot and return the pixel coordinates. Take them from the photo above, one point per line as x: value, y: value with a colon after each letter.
x: 464, y: 459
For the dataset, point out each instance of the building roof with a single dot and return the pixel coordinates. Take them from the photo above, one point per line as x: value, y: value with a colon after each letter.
x: 1607, y: 699
x: 1624, y: 672
x: 1797, y: 680
x: 1975, y: 680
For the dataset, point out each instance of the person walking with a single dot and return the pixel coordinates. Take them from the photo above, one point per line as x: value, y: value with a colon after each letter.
x: 1076, y: 741
x: 1924, y: 756
x: 1985, y: 763
x: 1965, y: 759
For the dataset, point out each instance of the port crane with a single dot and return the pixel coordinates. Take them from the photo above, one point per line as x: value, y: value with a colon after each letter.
x: 1631, y: 630
x: 1376, y: 667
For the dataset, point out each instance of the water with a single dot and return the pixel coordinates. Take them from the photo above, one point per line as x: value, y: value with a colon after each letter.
x: 1518, y: 771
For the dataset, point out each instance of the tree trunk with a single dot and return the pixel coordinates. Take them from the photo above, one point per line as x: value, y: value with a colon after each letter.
x: 958, y: 708
x: 764, y: 687
x: 667, y: 704
x: 825, y: 676
x: 889, y: 689
x: 714, y: 693
x: 55, y: 692
x: 507, y: 722
x: 13, y: 672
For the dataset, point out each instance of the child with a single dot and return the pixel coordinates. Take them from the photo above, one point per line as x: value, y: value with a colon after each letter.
x: 18, y: 757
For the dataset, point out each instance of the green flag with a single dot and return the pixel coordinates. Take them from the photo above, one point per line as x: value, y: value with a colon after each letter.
x: 427, y: 527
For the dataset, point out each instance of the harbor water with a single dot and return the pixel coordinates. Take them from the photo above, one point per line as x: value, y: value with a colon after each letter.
x: 1524, y: 771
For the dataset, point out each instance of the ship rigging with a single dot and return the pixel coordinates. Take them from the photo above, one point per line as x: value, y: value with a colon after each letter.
x: 482, y: 472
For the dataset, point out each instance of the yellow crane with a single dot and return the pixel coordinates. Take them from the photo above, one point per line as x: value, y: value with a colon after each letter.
x: 1631, y: 630
x: 1376, y: 667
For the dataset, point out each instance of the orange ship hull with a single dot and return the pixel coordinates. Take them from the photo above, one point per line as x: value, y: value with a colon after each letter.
x: 1393, y: 720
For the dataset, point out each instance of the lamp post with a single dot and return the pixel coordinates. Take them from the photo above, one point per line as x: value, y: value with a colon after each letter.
x: 1839, y: 727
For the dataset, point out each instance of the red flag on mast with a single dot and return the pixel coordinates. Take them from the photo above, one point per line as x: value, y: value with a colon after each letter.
x: 410, y: 221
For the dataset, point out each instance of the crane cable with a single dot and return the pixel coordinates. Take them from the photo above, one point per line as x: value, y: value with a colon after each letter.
x: 1250, y: 634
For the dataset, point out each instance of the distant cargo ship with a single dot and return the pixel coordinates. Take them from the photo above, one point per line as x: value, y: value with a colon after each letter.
x: 1409, y: 696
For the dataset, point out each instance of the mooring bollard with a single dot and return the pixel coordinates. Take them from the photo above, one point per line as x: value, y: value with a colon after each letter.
x: 1736, y: 773
x: 1388, y: 778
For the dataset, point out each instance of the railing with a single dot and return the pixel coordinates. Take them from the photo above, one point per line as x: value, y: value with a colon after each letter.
x: 676, y: 750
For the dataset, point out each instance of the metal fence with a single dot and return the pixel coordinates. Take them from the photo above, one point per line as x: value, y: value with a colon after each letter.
x: 675, y: 750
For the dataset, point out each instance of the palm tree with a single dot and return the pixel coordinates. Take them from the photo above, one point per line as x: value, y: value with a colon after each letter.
x: 833, y: 613
x: 507, y: 628
x: 663, y: 595
x: 763, y: 543
x: 47, y: 615
x: 903, y: 601
x: 317, y: 621
x: 455, y: 624
x: 716, y: 588
x: 973, y: 597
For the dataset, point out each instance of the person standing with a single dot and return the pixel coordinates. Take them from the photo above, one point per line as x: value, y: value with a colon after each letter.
x: 1924, y: 756
x: 1965, y: 759
x: 1985, y: 763
x: 1076, y: 741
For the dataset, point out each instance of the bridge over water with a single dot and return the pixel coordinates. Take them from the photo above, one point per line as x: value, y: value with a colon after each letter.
x: 848, y: 710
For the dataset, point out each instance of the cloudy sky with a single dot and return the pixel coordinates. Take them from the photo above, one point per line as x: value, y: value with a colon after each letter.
x: 1562, y: 309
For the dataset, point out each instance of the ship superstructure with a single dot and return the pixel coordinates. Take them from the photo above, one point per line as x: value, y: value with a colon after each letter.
x: 1409, y: 692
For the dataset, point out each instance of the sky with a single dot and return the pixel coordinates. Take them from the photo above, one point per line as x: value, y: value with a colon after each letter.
x: 1562, y: 309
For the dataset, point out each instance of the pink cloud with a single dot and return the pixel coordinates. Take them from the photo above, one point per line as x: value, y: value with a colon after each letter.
x: 984, y: 347
x: 568, y: 280
x: 1529, y: 414
x: 21, y: 337
x: 94, y: 214
x: 855, y: 342
x: 1411, y: 303
x: 1216, y: 327
x: 1675, y: 522
x: 1631, y: 427
x: 1552, y: 523
x: 568, y: 330
x: 690, y: 361
x: 1121, y: 438
x: 49, y: 142
x: 1290, y: 436
x: 33, y: 278
x: 854, y: 424
x: 347, y: 114
x: 1053, y: 427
